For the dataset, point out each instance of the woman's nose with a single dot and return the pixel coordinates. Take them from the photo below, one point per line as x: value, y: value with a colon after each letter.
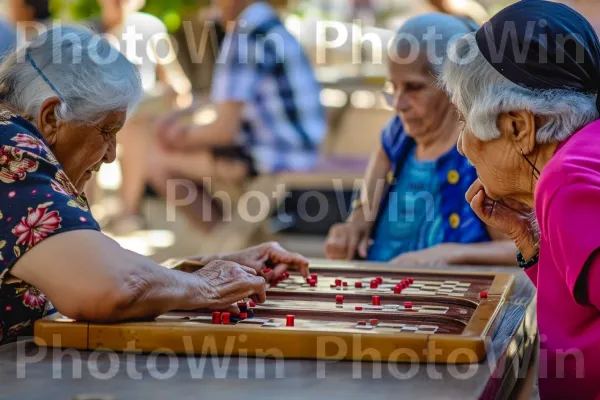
x: 111, y: 152
x: 401, y: 102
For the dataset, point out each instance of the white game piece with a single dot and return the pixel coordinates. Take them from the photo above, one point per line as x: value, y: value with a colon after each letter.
x: 390, y: 325
x: 367, y: 327
x: 271, y: 325
x: 254, y: 321
x: 409, y: 328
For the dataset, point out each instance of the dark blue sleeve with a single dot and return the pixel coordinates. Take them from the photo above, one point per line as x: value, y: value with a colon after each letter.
x: 37, y: 200
x: 392, y: 137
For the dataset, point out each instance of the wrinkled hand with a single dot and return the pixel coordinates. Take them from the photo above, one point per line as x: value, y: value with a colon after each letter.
x: 225, y: 283
x: 438, y: 256
x: 261, y: 257
x: 514, y: 219
x: 346, y: 239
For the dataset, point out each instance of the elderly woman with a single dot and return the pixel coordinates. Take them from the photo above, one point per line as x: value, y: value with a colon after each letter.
x: 531, y: 111
x: 411, y: 205
x: 64, y: 98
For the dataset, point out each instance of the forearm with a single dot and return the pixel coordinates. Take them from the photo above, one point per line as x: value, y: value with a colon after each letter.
x: 152, y: 290
x: 488, y: 253
x: 373, y: 187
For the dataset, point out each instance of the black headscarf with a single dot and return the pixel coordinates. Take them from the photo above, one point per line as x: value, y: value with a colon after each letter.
x: 543, y: 45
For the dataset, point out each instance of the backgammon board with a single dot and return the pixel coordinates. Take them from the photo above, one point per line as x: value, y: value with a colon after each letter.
x: 341, y: 312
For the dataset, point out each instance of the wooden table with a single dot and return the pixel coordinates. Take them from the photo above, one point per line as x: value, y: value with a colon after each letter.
x: 142, y: 376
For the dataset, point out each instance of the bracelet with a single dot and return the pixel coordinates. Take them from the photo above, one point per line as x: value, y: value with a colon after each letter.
x: 525, y: 264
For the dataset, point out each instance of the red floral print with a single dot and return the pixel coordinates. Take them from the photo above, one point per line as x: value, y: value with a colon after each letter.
x: 37, y: 225
x: 14, y: 166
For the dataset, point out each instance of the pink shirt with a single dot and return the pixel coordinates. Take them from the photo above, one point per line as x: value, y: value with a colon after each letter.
x: 567, y: 277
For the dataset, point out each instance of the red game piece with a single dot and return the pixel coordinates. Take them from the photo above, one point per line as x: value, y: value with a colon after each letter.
x: 362, y: 323
x: 411, y: 280
x: 216, y: 317
x: 408, y: 304
x: 225, y: 318
x: 397, y: 290
x: 358, y: 308
x: 338, y: 282
x: 373, y: 321
x: 314, y: 276
x: 241, y: 304
x: 358, y: 284
x: 374, y: 284
x: 285, y: 275
x: 243, y: 315
x: 312, y: 282
x: 289, y: 320
x: 339, y: 299
x: 251, y: 304
x: 345, y: 284
x: 266, y: 270
x: 376, y: 301
x: 404, y: 284
x: 483, y: 295
x: 379, y: 280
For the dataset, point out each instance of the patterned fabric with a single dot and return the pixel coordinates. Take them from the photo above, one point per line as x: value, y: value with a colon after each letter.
x: 37, y: 201
x: 412, y: 213
x: 263, y: 66
x: 454, y: 176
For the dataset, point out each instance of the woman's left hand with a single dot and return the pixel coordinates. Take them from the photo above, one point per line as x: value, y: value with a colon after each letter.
x: 261, y: 257
x: 438, y: 256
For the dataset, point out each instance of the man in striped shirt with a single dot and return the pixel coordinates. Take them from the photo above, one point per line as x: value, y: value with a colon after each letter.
x: 269, y: 116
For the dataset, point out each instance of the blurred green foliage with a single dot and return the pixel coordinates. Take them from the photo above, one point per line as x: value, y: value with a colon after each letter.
x: 169, y: 11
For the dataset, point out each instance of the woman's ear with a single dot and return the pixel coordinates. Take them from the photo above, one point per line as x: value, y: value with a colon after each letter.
x: 47, y: 122
x: 520, y: 127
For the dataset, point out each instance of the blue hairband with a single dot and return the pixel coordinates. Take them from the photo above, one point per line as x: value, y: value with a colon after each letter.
x: 39, y: 71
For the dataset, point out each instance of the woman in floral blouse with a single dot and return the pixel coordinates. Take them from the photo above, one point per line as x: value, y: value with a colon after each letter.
x: 59, y: 117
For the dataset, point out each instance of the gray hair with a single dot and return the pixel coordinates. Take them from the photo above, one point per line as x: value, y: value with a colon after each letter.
x: 433, y: 34
x: 88, y: 75
x: 481, y: 94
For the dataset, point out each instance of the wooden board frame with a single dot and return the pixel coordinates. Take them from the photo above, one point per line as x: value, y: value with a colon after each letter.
x: 295, y: 342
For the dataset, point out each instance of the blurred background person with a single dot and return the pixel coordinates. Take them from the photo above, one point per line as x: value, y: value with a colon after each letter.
x: 412, y: 205
x: 165, y: 86
x: 269, y: 117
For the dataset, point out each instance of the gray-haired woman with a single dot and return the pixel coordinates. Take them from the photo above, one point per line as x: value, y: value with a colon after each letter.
x: 64, y: 97
x: 532, y: 131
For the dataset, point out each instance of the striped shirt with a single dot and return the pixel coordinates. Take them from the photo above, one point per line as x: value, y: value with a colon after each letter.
x: 263, y: 66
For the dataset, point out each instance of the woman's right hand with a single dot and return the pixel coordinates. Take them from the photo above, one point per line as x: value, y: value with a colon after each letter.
x: 225, y: 283
x: 346, y: 239
x: 514, y: 219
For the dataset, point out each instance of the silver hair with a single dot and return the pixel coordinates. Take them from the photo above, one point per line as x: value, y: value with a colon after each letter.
x: 481, y: 94
x: 88, y: 75
x: 433, y: 34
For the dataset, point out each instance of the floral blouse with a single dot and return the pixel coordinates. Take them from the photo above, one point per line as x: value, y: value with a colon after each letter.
x: 37, y: 200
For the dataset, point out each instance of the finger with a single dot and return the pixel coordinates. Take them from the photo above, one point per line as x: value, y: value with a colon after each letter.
x: 336, y: 248
x: 279, y: 255
x: 258, y: 289
x: 477, y: 205
x: 363, y: 247
x: 232, y: 309
x: 248, y: 270
x: 473, y: 190
x: 352, y: 245
x: 279, y: 269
